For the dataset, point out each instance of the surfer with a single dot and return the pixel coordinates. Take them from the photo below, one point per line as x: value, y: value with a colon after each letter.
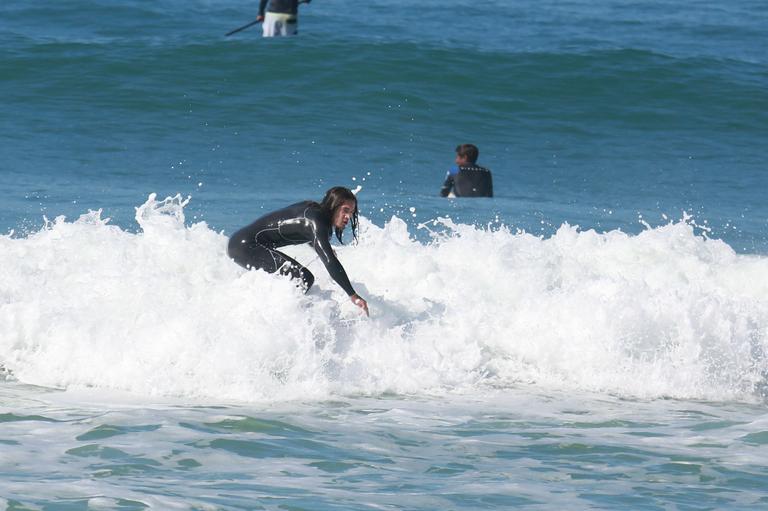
x: 467, y: 178
x: 281, y: 18
x: 254, y: 246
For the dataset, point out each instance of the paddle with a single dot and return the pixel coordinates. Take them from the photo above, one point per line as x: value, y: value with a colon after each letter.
x: 252, y: 23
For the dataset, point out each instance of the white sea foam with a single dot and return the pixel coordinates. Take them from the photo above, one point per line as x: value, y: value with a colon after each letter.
x: 165, y: 312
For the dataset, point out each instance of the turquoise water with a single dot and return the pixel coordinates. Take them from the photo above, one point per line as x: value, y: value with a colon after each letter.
x: 593, y: 337
x: 522, y: 448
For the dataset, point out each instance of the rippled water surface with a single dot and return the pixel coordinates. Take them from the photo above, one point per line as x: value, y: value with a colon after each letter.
x: 520, y: 447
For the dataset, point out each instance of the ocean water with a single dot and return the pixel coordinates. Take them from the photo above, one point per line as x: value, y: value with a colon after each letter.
x: 593, y: 337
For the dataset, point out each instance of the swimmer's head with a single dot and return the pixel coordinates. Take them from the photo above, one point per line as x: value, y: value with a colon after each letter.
x: 466, y: 153
x: 341, y: 205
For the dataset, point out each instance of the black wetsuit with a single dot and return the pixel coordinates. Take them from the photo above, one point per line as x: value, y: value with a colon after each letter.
x: 280, y: 6
x: 469, y: 180
x: 254, y: 246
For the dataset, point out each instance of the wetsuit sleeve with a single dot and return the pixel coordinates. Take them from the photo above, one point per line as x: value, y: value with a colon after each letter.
x: 262, y: 7
x: 335, y: 269
x: 447, y: 185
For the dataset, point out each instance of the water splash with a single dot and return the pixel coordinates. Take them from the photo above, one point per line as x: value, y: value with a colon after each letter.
x: 163, y: 311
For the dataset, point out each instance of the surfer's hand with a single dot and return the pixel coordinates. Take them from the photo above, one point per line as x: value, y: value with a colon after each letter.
x: 360, y: 303
x: 260, y: 18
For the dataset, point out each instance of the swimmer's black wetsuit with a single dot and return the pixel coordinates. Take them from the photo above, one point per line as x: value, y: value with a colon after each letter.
x: 254, y: 246
x: 470, y: 180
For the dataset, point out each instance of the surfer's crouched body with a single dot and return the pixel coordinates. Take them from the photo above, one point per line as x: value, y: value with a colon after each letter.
x: 254, y: 246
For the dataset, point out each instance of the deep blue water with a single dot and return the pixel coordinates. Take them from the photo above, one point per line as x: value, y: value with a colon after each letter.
x: 587, y: 114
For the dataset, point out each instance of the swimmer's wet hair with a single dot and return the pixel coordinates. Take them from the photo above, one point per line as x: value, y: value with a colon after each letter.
x: 468, y: 151
x: 333, y: 199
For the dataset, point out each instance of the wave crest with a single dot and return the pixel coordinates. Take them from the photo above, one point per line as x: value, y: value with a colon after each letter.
x: 163, y: 311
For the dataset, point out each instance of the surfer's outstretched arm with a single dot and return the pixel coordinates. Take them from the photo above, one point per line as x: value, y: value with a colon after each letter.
x: 323, y: 248
x: 345, y: 210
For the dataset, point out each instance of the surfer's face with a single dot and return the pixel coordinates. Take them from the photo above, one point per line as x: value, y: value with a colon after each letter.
x: 461, y: 160
x: 343, y: 213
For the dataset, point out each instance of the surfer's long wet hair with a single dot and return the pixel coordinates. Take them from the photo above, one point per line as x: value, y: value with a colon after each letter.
x: 332, y: 201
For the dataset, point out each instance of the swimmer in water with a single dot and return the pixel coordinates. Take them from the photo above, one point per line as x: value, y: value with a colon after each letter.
x: 467, y: 178
x: 254, y: 246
